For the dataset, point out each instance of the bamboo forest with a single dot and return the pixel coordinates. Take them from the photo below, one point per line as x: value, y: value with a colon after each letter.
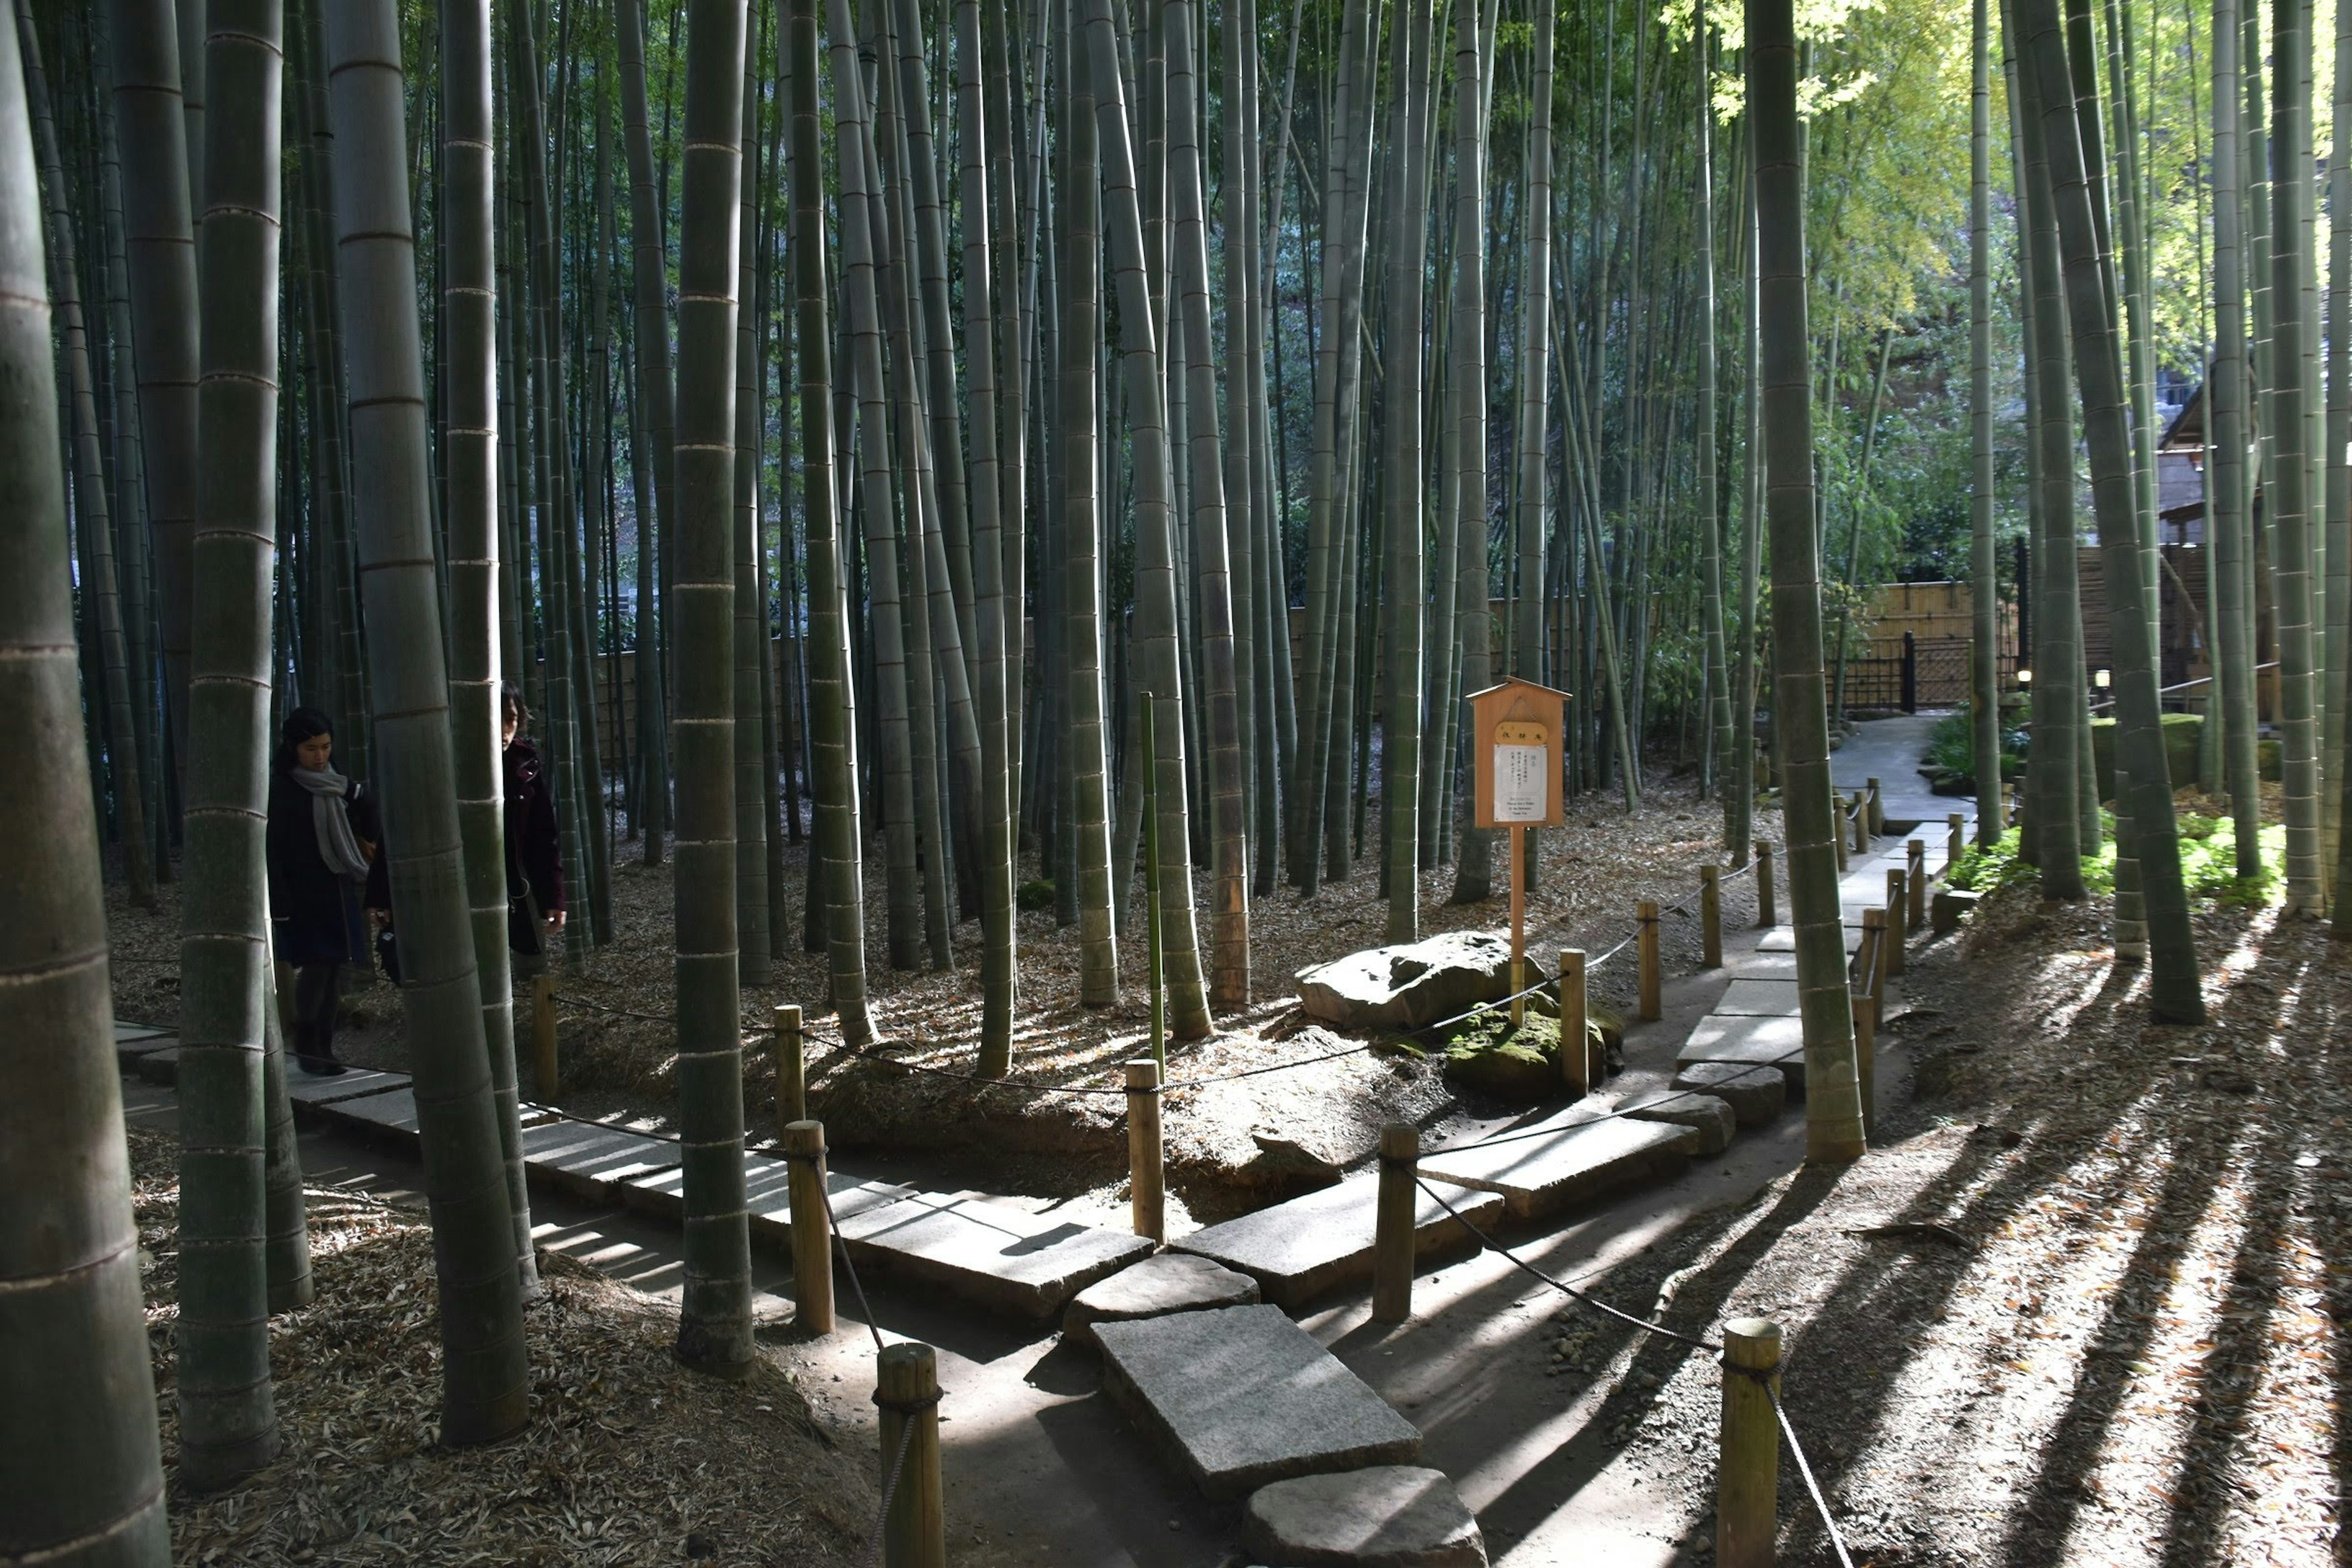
x: 1173, y: 783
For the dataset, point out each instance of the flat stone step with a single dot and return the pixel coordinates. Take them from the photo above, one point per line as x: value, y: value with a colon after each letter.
x: 161, y: 1066
x: 1749, y: 1042
x: 1757, y: 1095
x: 1387, y: 1516
x: 1748, y: 998
x: 1171, y: 1282
x: 1712, y: 1119
x: 132, y: 1041
x: 991, y: 1254
x: 1783, y: 939
x: 1240, y: 1396
x: 1766, y: 966
x: 309, y: 1088
x: 1539, y: 1171
x: 126, y: 1031
x: 1300, y: 1249
x: 767, y: 1183
x: 590, y: 1161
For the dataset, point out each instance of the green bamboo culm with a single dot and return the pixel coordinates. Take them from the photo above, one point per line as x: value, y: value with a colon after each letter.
x: 228, y: 1421
x: 1834, y: 1127
x: 485, y: 1373
x: 469, y: 460
x: 1144, y: 710
x: 714, y: 1325
x: 1984, y: 669
x: 2174, y: 994
x: 81, y: 1475
x: 2233, y: 582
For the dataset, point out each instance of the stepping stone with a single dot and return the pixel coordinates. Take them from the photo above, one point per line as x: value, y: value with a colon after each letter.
x: 1712, y: 1119
x: 1171, y: 1282
x: 1757, y: 1094
x: 1008, y: 1259
x: 1783, y: 939
x: 132, y: 1041
x: 1758, y: 999
x: 1300, y: 1249
x: 1540, y: 1171
x: 392, y: 1110
x: 125, y: 1032
x: 1240, y: 1396
x: 1766, y: 966
x: 1389, y: 1516
x: 592, y: 1161
x: 1749, y: 1042
x: 767, y: 1183
x: 307, y: 1088
x: 160, y: 1066
x: 1949, y: 908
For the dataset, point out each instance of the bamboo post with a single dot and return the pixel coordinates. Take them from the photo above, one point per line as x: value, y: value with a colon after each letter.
x: 547, y: 1070
x: 1575, y: 1032
x: 1952, y: 842
x: 1152, y: 879
x: 812, y: 1226
x: 1878, y: 800
x: 1865, y: 1060
x: 1146, y: 1173
x: 1844, y: 834
x: 1392, y: 1223
x: 1896, y: 902
x: 1653, y: 1008
x: 1748, y: 1479
x: 791, y: 1076
x: 1711, y: 917
x: 906, y: 1388
x: 1766, y: 916
x: 1915, y: 882
x: 1864, y: 966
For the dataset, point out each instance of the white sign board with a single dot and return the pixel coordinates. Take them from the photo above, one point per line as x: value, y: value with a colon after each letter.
x: 1521, y: 784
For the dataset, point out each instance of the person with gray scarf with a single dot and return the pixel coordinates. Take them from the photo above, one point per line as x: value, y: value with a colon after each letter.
x: 321, y: 834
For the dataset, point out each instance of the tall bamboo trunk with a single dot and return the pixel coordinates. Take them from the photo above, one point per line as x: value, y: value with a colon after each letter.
x: 84, y: 1484
x: 1719, y: 746
x: 2335, y: 543
x: 646, y: 268
x: 1474, y: 873
x: 1833, y: 1109
x: 835, y: 850
x: 1984, y: 649
x: 752, y: 961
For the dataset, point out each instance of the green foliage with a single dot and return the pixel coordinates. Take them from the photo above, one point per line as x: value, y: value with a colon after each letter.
x: 2208, y: 866
x: 1037, y: 894
x: 1952, y: 749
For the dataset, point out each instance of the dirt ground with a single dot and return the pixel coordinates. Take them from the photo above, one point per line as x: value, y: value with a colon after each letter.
x: 2087, y: 1300
x: 1230, y: 1147
x: 628, y: 1458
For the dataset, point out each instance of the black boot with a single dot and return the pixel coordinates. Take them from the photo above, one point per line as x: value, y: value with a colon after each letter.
x: 313, y: 1052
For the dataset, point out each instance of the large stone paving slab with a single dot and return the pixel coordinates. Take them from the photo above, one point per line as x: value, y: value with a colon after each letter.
x: 159, y: 1066
x: 1749, y: 1042
x: 1240, y: 1396
x: 1712, y: 1119
x: 767, y: 1185
x: 1171, y: 1282
x: 1783, y: 939
x: 1540, y: 1172
x: 1388, y: 1516
x: 1754, y: 1094
x: 991, y: 1254
x: 1300, y: 1249
x: 309, y: 1088
x: 591, y: 1162
x: 1758, y: 999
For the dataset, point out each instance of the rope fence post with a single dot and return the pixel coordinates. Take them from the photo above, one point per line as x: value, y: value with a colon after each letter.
x: 812, y: 1226
x: 1575, y: 1032
x: 792, y: 1073
x: 1146, y: 1173
x: 1711, y: 917
x: 1865, y: 1060
x: 1878, y: 938
x: 1766, y: 916
x: 1842, y: 812
x: 1952, y: 842
x: 1747, y: 1478
x: 1862, y: 834
x: 543, y: 1061
x: 914, y: 1522
x: 1877, y: 796
x: 1898, y: 901
x: 1392, y: 1223
x: 1915, y: 882
x: 1653, y: 1007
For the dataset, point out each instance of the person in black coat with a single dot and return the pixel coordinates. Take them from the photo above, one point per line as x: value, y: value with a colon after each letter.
x: 320, y: 839
x: 534, y: 845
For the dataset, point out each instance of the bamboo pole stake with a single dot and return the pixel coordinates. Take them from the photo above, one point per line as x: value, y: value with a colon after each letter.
x: 1146, y: 1173
x: 1575, y: 1032
x: 1392, y: 1223
x: 1747, y: 1479
x: 1146, y: 703
x: 1865, y: 1060
x: 544, y: 1065
x: 1896, y: 901
x: 1652, y: 1007
x: 812, y: 1226
x: 1766, y: 916
x: 1915, y: 882
x: 1711, y: 917
x: 906, y: 1388
x: 792, y: 1072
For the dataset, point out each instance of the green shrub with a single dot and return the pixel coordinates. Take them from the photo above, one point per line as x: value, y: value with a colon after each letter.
x: 2208, y: 862
x: 1952, y: 749
x: 1035, y: 895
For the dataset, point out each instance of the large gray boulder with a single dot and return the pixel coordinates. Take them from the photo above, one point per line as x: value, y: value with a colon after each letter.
x: 1389, y: 1516
x: 1409, y: 985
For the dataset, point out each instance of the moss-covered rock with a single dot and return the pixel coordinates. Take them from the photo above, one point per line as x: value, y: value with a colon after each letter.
x: 1521, y: 1066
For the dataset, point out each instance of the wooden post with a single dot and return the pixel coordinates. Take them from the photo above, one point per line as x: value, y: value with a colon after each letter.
x: 1896, y: 903
x: 1711, y: 917
x: 1747, y: 1478
x: 791, y: 1076
x: 1878, y: 800
x: 1146, y: 1185
x: 1952, y: 844
x: 1862, y: 834
x: 812, y: 1226
x: 1575, y: 1058
x: 1151, y: 880
x: 906, y: 1388
x: 1915, y: 882
x: 1865, y: 1060
x: 544, y: 1066
x: 1519, y: 926
x: 1392, y: 1223
x: 1878, y: 939
x: 1653, y: 1008
x: 1844, y: 834
x: 1765, y: 916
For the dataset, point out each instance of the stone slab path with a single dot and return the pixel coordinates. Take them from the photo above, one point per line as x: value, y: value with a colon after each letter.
x: 1303, y: 1248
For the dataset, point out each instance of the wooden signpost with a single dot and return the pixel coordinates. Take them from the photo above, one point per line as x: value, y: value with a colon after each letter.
x: 1516, y: 731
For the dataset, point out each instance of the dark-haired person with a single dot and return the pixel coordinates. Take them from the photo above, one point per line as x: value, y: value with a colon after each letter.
x: 534, y: 845
x: 320, y: 840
